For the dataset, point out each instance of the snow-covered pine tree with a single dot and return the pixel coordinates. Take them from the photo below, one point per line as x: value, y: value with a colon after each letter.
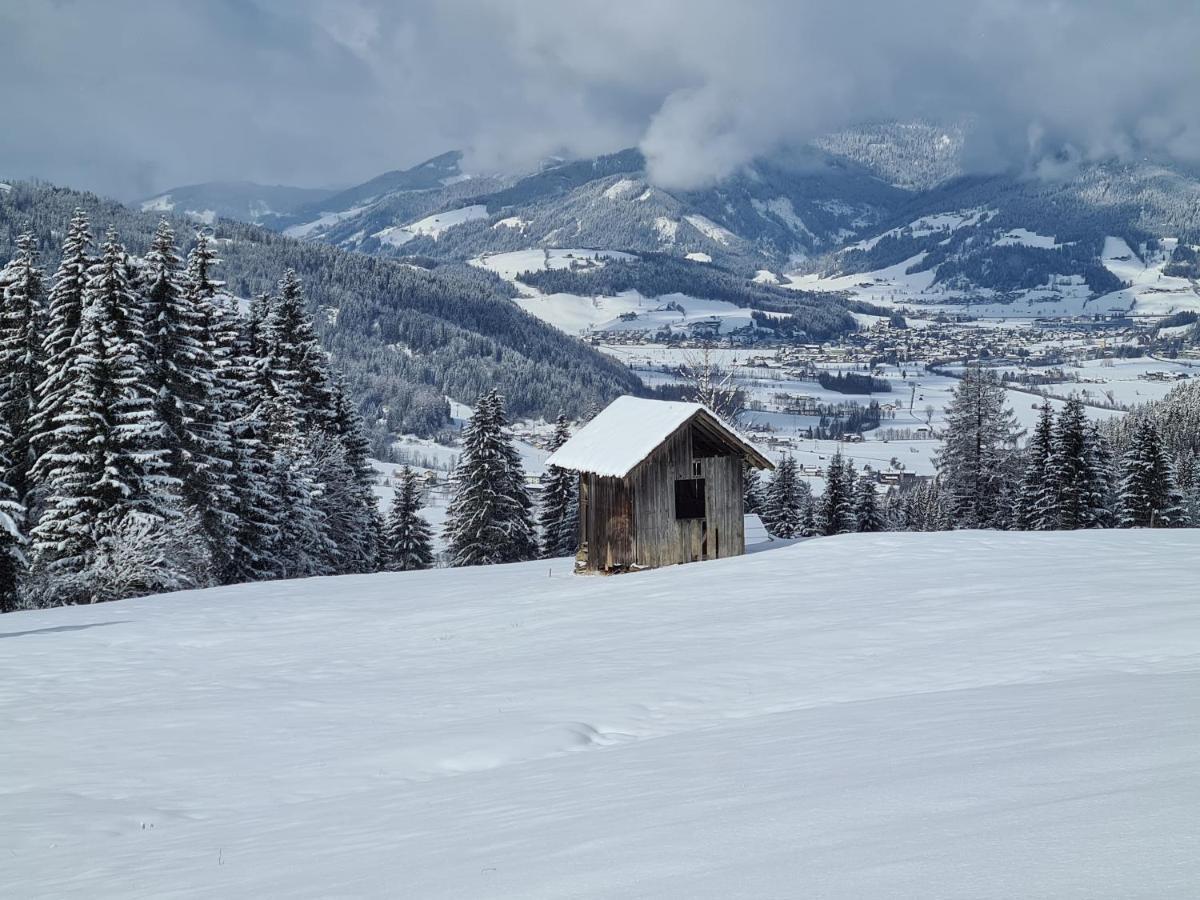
x: 104, y: 461
x: 1071, y: 470
x: 1037, y: 497
x: 559, y: 515
x: 808, y: 509
x: 255, y: 508
x: 255, y: 325
x: 309, y: 417
x: 64, y: 308
x: 78, y: 490
x: 297, y: 367
x: 782, y: 509
x: 239, y: 384
x: 937, y: 507
x: 1149, y: 495
x: 21, y: 369
x: 141, y: 456
x: 868, y: 515
x: 835, y: 507
x: 1102, y: 488
x: 1191, y: 494
x: 489, y: 520
x: 180, y: 318
x: 892, y: 510
x: 752, y: 489
x: 178, y: 369
x: 407, y: 540
x: 302, y: 546
x: 923, y: 508
x: 357, y: 525
x: 975, y: 457
x: 12, y: 531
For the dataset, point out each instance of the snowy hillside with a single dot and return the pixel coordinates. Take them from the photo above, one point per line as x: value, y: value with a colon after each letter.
x: 623, y: 311
x: 895, y: 715
x: 242, y: 201
x: 1131, y: 281
x: 788, y: 206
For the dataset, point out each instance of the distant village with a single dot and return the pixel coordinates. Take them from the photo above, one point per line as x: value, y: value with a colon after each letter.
x: 892, y: 356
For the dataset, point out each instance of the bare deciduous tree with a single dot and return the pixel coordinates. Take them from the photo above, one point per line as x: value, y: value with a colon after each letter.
x: 713, y: 385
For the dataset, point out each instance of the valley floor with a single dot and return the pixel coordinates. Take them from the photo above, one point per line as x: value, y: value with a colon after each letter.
x: 895, y: 715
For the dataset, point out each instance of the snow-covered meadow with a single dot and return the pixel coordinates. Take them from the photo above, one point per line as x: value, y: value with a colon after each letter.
x: 628, y: 311
x: 938, y: 715
x: 1150, y: 292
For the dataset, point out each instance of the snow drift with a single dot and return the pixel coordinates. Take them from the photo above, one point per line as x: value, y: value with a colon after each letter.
x: 936, y: 715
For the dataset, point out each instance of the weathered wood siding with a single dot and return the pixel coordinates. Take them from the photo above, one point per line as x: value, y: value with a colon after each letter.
x: 631, y: 522
x: 605, y: 521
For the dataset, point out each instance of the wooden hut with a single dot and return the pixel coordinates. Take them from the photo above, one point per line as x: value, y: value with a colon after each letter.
x: 659, y: 483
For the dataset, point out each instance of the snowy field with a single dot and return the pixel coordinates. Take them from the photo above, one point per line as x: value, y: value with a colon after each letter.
x: 432, y: 226
x: 628, y: 311
x: 324, y: 222
x: 950, y: 715
x: 1120, y: 381
x: 1150, y: 291
x: 509, y: 265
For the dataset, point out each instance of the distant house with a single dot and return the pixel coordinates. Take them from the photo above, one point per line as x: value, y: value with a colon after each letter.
x: 659, y: 483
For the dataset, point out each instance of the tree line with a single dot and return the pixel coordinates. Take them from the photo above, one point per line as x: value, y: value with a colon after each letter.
x: 154, y: 436
x: 1142, y: 470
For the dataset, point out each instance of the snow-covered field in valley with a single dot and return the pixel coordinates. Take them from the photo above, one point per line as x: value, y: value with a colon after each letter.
x: 1150, y: 290
x: 896, y: 715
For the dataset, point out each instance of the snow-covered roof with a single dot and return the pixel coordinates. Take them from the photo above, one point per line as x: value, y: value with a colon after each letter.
x: 630, y: 428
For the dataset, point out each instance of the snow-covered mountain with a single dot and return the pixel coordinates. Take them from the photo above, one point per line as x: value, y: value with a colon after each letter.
x: 776, y: 210
x: 242, y: 201
x: 955, y: 714
x: 883, y: 212
x: 1109, y: 238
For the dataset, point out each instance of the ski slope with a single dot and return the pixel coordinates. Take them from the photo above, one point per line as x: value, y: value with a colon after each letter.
x: 900, y: 715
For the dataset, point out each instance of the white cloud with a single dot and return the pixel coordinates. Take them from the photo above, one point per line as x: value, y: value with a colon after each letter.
x: 132, y: 98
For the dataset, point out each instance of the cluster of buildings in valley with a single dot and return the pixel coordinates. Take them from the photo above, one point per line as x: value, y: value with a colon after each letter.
x: 945, y: 340
x: 783, y: 382
x: 947, y: 343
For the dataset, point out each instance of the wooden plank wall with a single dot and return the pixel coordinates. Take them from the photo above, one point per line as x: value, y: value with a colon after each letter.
x: 632, y: 521
x: 606, y: 522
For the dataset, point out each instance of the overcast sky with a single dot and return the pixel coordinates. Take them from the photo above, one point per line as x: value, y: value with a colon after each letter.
x: 130, y: 98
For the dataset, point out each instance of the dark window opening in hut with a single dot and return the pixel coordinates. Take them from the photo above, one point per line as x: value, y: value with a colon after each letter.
x: 689, y: 498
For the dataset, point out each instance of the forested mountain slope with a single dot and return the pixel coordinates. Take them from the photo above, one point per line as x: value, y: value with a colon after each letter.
x: 405, y: 336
